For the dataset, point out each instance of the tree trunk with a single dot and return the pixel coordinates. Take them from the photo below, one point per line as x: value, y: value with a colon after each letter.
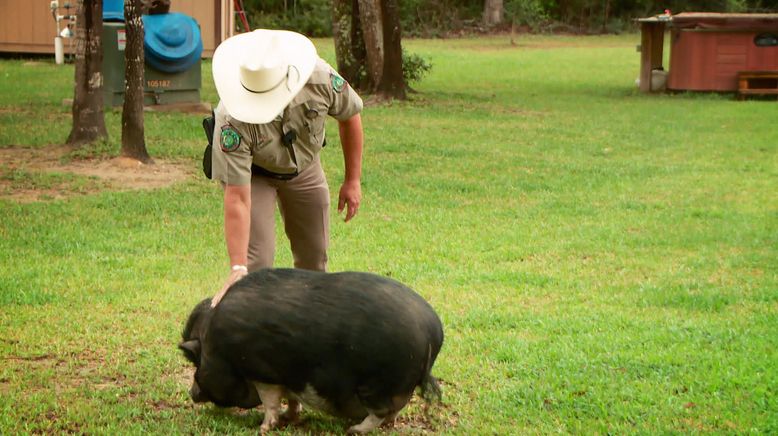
x: 493, y: 12
x: 133, y: 142
x: 372, y: 32
x: 392, y: 83
x: 607, y: 17
x: 88, y: 119
x: 369, y: 49
x: 349, y: 45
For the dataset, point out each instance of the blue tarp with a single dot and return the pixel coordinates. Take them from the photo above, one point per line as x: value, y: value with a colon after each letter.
x: 172, y: 43
x: 113, y: 10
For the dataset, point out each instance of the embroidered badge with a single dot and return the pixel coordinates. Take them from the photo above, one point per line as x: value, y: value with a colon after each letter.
x: 337, y: 82
x: 230, y: 139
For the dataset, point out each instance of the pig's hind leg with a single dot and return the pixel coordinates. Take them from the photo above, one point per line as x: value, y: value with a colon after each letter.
x: 293, y: 410
x: 371, y: 422
x: 385, y: 416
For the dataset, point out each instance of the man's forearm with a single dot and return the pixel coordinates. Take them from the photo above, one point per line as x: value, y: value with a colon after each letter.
x: 237, y: 219
x: 352, y: 138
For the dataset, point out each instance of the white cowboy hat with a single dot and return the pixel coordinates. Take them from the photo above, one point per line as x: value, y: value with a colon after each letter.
x: 258, y: 73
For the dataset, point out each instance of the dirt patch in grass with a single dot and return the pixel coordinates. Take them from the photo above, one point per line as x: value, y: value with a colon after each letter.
x: 48, y: 173
x: 183, y: 376
x: 59, y: 374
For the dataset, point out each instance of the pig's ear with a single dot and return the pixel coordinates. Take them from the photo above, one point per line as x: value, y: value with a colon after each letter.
x: 191, y: 350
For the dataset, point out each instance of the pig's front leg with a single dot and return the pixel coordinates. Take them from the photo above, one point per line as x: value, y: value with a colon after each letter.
x: 271, y: 399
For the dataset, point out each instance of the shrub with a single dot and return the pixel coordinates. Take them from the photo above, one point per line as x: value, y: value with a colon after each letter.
x: 414, y: 67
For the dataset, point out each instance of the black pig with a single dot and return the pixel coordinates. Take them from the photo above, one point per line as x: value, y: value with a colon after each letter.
x: 355, y: 345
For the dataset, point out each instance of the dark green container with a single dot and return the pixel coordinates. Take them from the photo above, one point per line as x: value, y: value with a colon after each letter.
x: 160, y: 88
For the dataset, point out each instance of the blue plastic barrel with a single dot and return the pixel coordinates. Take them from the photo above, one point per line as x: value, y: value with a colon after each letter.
x: 113, y: 10
x: 172, y: 43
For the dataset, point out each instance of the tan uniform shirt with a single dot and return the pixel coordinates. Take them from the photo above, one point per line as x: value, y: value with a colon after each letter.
x: 261, y: 144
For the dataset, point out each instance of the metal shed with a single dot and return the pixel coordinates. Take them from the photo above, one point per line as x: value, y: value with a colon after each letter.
x: 711, y: 51
x: 27, y: 26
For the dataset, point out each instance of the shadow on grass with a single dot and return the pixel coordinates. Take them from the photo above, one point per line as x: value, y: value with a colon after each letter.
x: 310, y: 422
x: 416, y: 418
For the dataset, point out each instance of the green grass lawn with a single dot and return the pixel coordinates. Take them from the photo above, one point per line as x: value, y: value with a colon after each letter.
x: 603, y: 261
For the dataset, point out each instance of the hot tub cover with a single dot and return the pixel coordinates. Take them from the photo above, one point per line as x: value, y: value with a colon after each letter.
x: 726, y: 22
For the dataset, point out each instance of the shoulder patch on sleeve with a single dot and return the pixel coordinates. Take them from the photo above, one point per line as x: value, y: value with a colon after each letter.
x: 338, y: 83
x: 230, y: 139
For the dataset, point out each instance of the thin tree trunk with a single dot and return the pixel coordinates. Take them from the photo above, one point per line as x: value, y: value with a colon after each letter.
x: 133, y: 142
x: 358, y: 49
x: 372, y: 31
x: 88, y: 119
x: 349, y: 44
x: 493, y: 12
x: 369, y: 51
x: 392, y: 83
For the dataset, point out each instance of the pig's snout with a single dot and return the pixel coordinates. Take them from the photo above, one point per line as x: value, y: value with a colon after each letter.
x: 196, y: 394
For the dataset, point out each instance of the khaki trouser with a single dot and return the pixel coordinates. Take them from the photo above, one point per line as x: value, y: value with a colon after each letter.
x: 304, y: 203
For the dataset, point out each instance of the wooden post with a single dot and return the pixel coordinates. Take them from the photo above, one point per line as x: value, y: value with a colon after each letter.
x: 652, y: 39
x: 657, y: 48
